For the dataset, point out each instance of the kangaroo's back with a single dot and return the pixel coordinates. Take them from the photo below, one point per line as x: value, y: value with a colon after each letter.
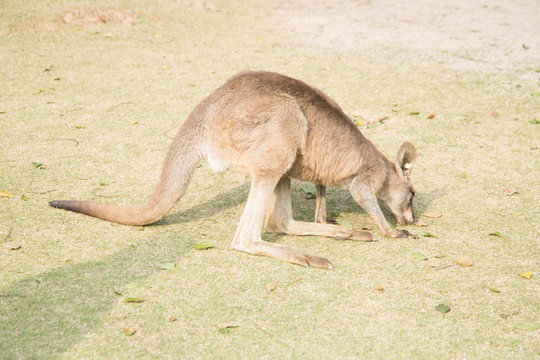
x: 334, y: 149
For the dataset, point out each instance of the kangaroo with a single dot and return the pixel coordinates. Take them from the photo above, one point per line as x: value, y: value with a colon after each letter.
x: 277, y: 128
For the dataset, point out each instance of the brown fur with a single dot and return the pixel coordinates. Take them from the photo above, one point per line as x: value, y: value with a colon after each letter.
x: 276, y: 128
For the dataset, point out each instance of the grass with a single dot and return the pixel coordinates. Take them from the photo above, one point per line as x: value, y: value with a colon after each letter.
x: 107, y: 119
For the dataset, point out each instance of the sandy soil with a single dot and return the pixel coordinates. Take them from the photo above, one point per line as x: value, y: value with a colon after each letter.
x: 498, y: 35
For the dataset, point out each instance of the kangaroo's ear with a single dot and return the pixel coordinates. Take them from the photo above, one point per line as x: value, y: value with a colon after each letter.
x: 406, y: 156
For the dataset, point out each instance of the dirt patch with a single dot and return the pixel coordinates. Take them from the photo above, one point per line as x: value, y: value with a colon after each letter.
x: 487, y: 35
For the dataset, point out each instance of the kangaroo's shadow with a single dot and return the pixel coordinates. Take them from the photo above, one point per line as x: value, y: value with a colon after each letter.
x: 338, y: 201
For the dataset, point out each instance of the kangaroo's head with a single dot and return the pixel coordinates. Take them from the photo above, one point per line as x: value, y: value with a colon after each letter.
x: 397, y: 192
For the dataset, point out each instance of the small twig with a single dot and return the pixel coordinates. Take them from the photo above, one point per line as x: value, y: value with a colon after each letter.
x: 75, y: 141
x: 117, y: 105
x: 166, y: 132
x: 106, y: 196
x: 41, y: 193
x: 11, y: 295
x: 444, y: 267
x: 9, y: 233
x: 76, y: 109
x: 260, y: 328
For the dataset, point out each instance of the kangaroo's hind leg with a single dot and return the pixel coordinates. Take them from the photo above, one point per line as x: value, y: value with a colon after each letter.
x: 248, y: 234
x: 279, y: 219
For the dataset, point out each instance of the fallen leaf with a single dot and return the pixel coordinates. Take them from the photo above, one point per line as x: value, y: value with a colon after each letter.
x: 228, y: 325
x: 440, y: 256
x: 534, y: 121
x: 427, y: 234
x: 168, y: 266
x: 494, y: 114
x: 297, y: 279
x: 226, y: 328
x: 270, y: 287
x: 128, y: 331
x: 419, y: 256
x: 379, y: 287
x: 38, y: 165
x: 367, y: 228
x: 133, y: 300
x: 420, y: 224
x: 2, y: 111
x: 443, y: 308
x: 432, y: 215
x: 102, y: 183
x: 464, y: 261
x: 373, y: 124
x: 263, y: 294
x: 526, y: 327
x: 414, y: 113
x: 526, y: 275
x: 13, y: 246
x: 205, y: 245
x: 38, y: 91
x: 172, y: 319
x: 5, y: 194
x: 510, y: 192
x: 345, y: 224
x: 308, y: 190
x: 24, y: 197
x: 494, y: 289
x: 108, y: 35
x: 93, y: 32
x: 431, y: 116
x: 495, y: 233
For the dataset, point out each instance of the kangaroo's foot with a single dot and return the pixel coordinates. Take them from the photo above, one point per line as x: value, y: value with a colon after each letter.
x: 283, y: 252
x: 329, y: 230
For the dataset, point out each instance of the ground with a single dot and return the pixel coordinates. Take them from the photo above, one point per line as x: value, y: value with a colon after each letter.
x: 91, y: 94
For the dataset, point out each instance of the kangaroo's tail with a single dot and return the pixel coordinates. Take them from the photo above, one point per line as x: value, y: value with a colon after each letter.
x: 183, y: 157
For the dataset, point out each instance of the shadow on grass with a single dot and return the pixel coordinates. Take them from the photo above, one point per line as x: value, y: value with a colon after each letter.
x: 208, y: 208
x: 338, y: 201
x: 44, y: 315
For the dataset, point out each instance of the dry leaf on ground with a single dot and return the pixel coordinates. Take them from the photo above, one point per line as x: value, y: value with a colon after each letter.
x: 464, y: 261
x: 5, y: 194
